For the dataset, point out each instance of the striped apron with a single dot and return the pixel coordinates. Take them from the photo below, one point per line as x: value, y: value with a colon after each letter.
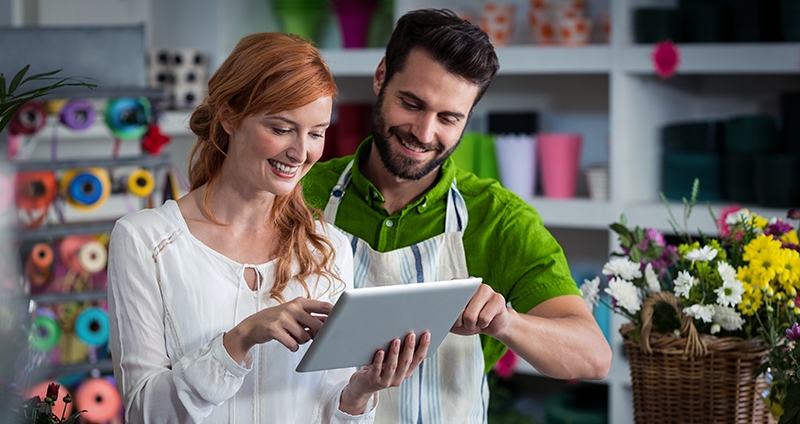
x: 450, y: 386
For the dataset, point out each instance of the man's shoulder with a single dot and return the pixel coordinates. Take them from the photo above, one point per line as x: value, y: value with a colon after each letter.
x: 321, y: 178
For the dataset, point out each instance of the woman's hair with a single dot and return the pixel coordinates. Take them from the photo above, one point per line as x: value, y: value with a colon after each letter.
x: 460, y: 47
x: 266, y: 72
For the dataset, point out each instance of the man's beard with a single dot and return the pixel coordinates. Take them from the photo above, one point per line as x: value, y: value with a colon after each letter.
x: 399, y: 165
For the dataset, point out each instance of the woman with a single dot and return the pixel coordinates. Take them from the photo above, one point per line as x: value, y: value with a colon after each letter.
x: 212, y: 297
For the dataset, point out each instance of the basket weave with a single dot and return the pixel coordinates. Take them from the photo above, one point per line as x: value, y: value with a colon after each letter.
x: 693, y: 378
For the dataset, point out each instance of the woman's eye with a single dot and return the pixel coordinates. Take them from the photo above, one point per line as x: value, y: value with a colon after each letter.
x: 281, y: 131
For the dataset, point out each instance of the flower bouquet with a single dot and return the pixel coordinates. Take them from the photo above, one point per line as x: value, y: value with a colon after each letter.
x: 703, y: 313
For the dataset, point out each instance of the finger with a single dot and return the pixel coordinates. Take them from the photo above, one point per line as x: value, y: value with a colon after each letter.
x: 297, y: 332
x: 286, y: 340
x: 406, y: 358
x: 496, y: 306
x: 419, y: 353
x: 390, y: 363
x: 314, y: 306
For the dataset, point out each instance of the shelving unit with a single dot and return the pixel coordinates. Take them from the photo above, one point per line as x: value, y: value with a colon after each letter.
x: 609, y: 92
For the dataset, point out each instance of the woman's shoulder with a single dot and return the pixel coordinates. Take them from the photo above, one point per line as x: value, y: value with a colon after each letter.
x: 153, y: 222
x: 337, y: 238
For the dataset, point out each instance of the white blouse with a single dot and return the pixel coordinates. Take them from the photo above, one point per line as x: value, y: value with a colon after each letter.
x: 171, y: 298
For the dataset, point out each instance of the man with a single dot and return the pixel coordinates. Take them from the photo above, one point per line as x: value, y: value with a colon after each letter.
x: 413, y: 216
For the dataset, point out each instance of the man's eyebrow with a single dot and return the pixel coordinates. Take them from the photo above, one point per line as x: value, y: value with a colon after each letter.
x: 415, y: 98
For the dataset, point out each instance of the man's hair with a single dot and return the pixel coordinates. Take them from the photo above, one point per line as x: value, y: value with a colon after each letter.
x: 459, y: 46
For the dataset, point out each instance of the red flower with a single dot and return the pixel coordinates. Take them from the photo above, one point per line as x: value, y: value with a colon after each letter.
x: 507, y: 364
x: 52, y: 391
x: 154, y: 140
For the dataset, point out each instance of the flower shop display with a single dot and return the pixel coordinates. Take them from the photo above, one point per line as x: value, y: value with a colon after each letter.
x: 706, y: 316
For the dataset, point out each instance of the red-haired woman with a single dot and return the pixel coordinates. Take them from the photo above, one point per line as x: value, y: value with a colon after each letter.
x: 212, y: 296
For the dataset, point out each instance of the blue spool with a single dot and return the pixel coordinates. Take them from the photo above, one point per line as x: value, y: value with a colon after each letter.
x: 85, y: 189
x: 91, y: 327
x: 128, y: 118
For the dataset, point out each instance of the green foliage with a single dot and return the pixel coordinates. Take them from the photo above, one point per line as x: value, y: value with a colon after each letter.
x: 11, y: 100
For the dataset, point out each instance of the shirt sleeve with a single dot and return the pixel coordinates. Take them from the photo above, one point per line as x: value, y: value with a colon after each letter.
x: 152, y: 390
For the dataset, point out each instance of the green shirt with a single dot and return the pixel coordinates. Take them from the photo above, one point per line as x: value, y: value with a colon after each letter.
x: 505, y: 240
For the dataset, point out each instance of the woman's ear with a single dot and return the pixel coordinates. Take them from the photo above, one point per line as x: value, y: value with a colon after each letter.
x: 224, y: 119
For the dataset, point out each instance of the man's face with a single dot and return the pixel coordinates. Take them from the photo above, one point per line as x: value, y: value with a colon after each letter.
x: 420, y: 116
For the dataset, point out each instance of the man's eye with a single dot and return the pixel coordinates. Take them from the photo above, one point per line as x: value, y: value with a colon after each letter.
x: 317, y: 135
x: 410, y: 106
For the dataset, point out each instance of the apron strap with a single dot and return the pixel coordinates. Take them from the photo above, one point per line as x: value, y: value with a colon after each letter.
x: 455, y: 219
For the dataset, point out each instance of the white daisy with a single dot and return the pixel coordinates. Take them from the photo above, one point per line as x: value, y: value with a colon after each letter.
x: 590, y: 290
x: 652, y: 279
x: 623, y: 268
x: 683, y: 284
x: 742, y: 215
x: 704, y: 254
x: 625, y: 293
x: 726, y: 271
x: 715, y: 328
x: 702, y: 312
x: 728, y: 318
x: 730, y: 294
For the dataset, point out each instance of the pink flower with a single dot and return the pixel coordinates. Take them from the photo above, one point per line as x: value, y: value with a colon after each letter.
x: 724, y: 230
x: 793, y: 333
x: 507, y: 364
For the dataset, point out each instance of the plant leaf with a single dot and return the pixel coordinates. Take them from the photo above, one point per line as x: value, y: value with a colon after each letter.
x: 2, y: 87
x: 15, y: 82
x: 40, y: 76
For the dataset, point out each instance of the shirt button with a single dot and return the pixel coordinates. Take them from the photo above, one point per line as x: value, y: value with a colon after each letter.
x: 389, y: 223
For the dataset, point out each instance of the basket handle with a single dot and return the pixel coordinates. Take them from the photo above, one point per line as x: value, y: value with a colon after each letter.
x: 695, y: 347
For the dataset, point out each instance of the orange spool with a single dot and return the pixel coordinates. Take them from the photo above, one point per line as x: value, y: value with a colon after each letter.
x: 41, y: 391
x: 99, y: 398
x: 35, y: 190
x: 41, y: 255
x: 37, y: 276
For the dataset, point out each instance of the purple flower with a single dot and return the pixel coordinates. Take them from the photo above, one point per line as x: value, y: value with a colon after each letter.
x: 778, y: 229
x: 793, y: 333
x: 793, y: 214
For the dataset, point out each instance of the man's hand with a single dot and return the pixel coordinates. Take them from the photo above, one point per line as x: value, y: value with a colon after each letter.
x: 485, y: 313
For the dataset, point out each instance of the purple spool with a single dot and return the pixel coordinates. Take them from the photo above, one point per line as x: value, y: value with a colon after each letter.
x: 77, y: 114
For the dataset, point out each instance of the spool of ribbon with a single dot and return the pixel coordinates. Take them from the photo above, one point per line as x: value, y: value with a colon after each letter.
x: 46, y: 333
x: 53, y: 106
x: 38, y: 267
x: 6, y: 192
x: 35, y: 190
x: 77, y: 114
x: 92, y: 256
x: 128, y: 118
x: 91, y: 326
x: 100, y: 398
x: 69, y: 251
x: 86, y: 189
x: 41, y: 391
x: 139, y: 183
x: 29, y: 119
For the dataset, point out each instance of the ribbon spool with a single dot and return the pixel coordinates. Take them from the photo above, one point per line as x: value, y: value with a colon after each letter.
x: 69, y: 250
x: 35, y: 190
x: 6, y: 192
x: 128, y: 118
x: 100, y: 398
x: 29, y: 119
x: 139, y: 183
x: 41, y: 391
x: 91, y: 326
x: 46, y: 333
x: 39, y: 264
x: 77, y: 114
x: 86, y: 189
x: 92, y: 256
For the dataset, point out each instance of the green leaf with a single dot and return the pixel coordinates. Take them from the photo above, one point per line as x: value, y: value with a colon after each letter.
x: 2, y: 86
x: 636, y: 255
x: 40, y: 76
x: 15, y: 82
x: 620, y: 229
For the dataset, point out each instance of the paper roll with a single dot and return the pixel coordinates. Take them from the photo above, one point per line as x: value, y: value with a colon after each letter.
x: 46, y: 333
x: 41, y: 255
x: 99, y: 398
x: 69, y: 248
x: 29, y: 119
x: 35, y: 190
x: 92, y: 256
x: 86, y: 189
x: 77, y: 114
x: 128, y: 118
x: 91, y: 326
x: 140, y: 183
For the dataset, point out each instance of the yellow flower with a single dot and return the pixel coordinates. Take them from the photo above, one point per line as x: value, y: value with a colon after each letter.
x: 790, y: 237
x: 760, y: 222
x: 790, y: 272
x: 762, y: 244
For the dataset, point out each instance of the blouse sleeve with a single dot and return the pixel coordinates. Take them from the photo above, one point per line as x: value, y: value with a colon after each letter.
x: 152, y: 390
x: 338, y: 379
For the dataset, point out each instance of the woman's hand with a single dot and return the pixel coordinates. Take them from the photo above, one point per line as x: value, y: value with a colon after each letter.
x: 290, y: 323
x: 387, y: 370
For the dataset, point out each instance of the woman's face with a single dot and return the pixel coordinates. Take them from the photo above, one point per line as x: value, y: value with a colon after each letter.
x: 272, y: 152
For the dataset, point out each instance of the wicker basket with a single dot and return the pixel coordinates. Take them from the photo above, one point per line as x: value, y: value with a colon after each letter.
x: 693, y: 378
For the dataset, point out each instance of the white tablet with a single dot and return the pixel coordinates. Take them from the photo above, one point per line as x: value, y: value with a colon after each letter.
x: 367, y: 319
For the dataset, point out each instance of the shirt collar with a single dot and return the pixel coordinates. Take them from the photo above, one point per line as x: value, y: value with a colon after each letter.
x: 375, y: 199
